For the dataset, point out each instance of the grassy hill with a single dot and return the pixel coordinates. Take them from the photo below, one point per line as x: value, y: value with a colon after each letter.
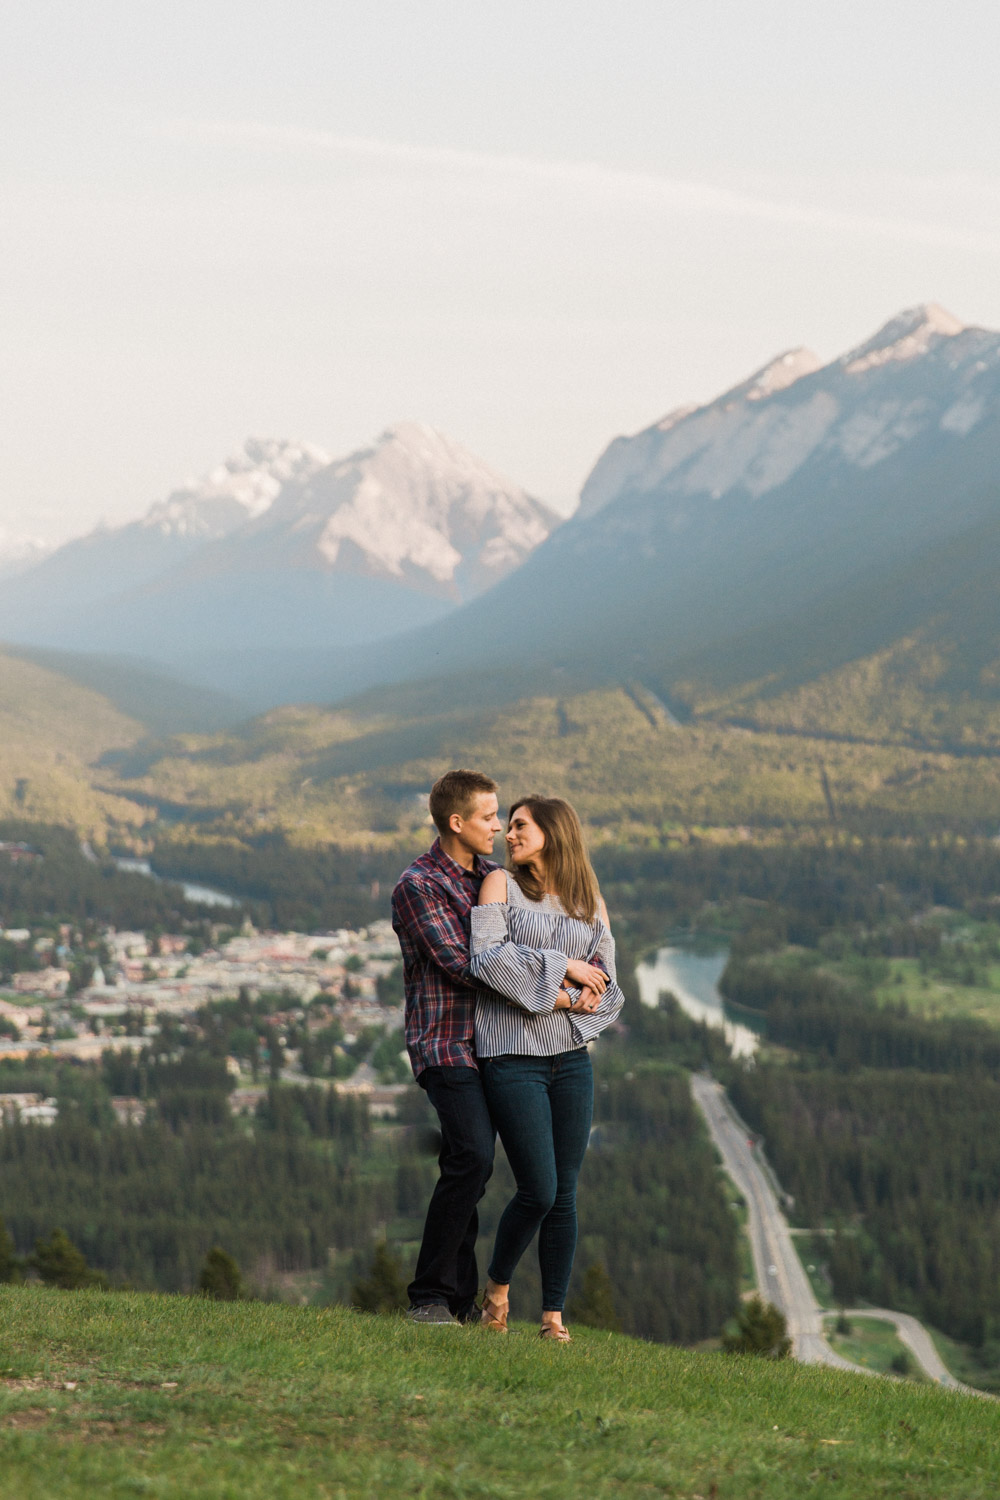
x: 141, y: 690
x: 128, y: 1394
x: 52, y: 733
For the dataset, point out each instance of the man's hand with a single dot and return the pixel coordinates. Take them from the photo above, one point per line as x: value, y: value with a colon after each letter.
x: 588, y: 1002
x: 586, y: 975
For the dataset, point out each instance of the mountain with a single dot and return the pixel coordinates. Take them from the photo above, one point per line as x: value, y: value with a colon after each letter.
x: 795, y: 486
x: 284, y: 551
x: 54, y: 603
x: 19, y: 553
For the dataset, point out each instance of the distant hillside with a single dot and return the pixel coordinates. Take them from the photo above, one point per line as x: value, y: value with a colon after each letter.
x: 634, y: 772
x: 139, y: 689
x: 52, y: 732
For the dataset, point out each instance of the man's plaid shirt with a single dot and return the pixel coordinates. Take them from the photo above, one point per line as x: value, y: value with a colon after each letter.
x: 431, y: 908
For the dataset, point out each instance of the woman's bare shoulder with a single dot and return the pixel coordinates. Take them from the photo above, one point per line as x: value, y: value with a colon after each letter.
x: 493, y: 888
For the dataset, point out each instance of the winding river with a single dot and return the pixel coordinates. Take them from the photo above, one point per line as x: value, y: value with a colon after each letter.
x: 203, y: 893
x: 693, y: 976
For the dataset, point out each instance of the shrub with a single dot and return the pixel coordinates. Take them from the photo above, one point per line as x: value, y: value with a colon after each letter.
x: 220, y: 1276
x: 383, y: 1290
x: 59, y: 1263
x: 595, y: 1304
x: 760, y: 1328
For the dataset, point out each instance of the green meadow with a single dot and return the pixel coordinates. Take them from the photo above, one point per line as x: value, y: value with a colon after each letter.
x: 134, y: 1394
x: 874, y: 1343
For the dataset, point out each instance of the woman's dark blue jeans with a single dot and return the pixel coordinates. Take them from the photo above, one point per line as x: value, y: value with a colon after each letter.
x: 542, y: 1109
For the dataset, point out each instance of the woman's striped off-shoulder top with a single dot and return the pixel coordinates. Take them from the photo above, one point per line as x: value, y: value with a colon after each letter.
x: 519, y: 952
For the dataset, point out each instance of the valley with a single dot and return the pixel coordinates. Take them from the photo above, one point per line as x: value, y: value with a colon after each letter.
x: 762, y: 662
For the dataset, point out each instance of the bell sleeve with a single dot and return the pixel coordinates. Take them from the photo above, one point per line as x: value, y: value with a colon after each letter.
x: 528, y: 977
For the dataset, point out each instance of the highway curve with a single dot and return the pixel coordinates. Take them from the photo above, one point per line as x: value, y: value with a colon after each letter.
x: 779, y: 1272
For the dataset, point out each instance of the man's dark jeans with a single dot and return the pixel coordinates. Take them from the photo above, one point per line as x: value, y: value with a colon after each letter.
x: 446, y: 1266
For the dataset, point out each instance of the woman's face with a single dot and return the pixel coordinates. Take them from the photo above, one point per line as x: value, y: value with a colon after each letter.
x: 525, y: 839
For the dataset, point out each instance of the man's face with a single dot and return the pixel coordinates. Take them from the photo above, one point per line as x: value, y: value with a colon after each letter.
x: 480, y: 826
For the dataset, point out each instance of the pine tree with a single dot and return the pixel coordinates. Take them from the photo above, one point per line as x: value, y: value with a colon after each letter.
x: 383, y: 1290
x: 59, y: 1263
x: 760, y: 1328
x: 595, y: 1304
x: 220, y: 1277
x: 10, y: 1266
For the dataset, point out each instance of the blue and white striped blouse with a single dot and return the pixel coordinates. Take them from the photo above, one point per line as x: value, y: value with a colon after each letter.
x: 519, y: 949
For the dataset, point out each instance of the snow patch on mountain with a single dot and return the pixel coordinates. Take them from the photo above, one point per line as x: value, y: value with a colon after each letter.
x: 241, y: 488
x: 417, y: 507
x: 778, y: 375
x: 903, y: 337
x: 963, y: 416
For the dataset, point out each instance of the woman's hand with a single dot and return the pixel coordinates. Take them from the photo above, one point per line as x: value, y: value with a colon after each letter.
x: 587, y: 976
x: 587, y: 1003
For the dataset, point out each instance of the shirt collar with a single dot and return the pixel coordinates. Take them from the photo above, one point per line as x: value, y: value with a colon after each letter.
x: 480, y: 866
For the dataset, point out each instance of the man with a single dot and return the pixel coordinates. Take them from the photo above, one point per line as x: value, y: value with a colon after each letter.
x: 431, y: 908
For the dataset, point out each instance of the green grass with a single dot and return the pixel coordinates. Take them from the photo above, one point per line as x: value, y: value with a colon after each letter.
x: 941, y: 999
x: 873, y: 1343
x: 129, y: 1394
x: 52, y: 731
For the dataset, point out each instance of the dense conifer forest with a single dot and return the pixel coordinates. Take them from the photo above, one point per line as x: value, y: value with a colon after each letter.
x: 875, y: 1098
x: 878, y: 1091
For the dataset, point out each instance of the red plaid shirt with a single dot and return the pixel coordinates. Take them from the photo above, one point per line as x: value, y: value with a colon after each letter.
x: 430, y: 913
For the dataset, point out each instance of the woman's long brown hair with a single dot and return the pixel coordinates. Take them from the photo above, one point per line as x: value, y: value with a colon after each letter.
x: 567, y: 869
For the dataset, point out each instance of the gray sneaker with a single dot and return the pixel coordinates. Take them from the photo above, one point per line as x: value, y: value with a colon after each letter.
x: 432, y: 1312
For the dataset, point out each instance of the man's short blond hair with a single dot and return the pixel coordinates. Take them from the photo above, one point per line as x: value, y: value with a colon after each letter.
x: 456, y: 792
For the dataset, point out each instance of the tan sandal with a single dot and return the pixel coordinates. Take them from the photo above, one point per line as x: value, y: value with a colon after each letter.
x: 558, y: 1332
x: 494, y: 1314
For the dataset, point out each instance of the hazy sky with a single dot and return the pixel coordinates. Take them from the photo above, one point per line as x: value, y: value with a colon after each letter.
x: 532, y: 225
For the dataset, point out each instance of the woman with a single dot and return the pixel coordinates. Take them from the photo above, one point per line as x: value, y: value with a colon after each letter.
x: 541, y: 942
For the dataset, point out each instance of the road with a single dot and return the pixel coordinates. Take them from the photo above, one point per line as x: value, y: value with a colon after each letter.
x: 779, y: 1272
x: 920, y: 1344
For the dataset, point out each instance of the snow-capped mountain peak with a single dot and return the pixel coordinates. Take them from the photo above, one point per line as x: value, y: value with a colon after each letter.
x: 923, y: 371
x: 777, y: 375
x: 903, y: 337
x: 414, y: 506
x: 240, y: 489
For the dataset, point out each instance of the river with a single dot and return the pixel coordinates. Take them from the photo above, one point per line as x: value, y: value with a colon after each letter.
x: 203, y: 893
x: 693, y: 977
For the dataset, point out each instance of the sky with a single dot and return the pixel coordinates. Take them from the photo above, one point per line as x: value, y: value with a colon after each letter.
x: 532, y: 225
